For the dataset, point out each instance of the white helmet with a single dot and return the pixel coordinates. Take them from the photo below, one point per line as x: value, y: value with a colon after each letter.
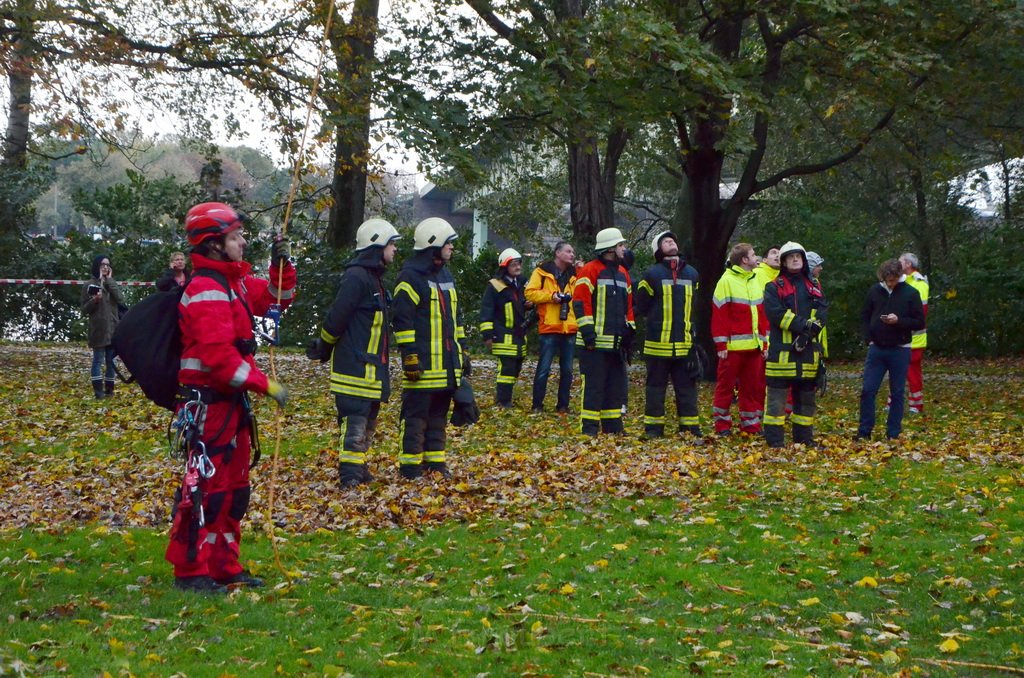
x: 375, y: 232
x: 608, y: 238
x: 790, y: 248
x: 433, y: 232
x: 656, y: 242
x: 507, y: 256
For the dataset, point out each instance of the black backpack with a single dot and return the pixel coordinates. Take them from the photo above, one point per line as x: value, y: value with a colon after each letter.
x: 148, y: 341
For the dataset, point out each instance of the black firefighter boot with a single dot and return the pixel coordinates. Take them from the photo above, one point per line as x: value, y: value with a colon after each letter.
x: 350, y: 474
x: 97, y: 389
x: 412, y: 446
x: 108, y: 389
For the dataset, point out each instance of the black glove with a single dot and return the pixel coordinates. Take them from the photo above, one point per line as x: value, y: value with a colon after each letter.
x: 467, y: 364
x: 318, y: 349
x: 696, y: 362
x: 814, y: 328
x: 280, y: 250
x: 466, y: 411
x: 800, y: 342
x: 821, y: 380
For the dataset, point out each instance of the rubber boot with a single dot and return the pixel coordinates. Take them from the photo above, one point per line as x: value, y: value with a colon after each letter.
x: 350, y: 474
x: 437, y: 467
x: 108, y: 389
x: 774, y: 435
x: 410, y: 471
x: 97, y: 389
x: 652, y: 431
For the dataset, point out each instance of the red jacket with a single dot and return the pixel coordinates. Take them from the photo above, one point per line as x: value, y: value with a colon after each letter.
x: 212, y: 324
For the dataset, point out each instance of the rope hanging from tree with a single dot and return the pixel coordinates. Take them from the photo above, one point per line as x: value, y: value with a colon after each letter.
x: 279, y: 415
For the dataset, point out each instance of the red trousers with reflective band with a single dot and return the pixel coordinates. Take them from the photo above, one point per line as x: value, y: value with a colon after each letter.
x: 747, y: 369
x: 225, y: 500
x: 915, y: 381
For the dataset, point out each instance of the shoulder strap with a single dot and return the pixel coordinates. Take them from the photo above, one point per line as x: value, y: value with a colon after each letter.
x: 223, y: 282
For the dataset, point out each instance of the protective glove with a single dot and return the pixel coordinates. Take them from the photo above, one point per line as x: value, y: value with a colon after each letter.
x: 318, y: 349
x: 814, y: 327
x: 821, y: 380
x: 467, y: 364
x: 278, y: 392
x: 411, y: 367
x: 280, y: 250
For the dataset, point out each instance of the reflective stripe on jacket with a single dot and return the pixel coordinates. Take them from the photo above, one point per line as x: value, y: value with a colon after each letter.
x: 543, y: 284
x: 503, y: 315
x: 919, y: 281
x: 212, y: 321
x: 789, y: 303
x: 357, y: 327
x: 665, y: 296
x: 738, y: 322
x: 428, y: 322
x: 603, y: 301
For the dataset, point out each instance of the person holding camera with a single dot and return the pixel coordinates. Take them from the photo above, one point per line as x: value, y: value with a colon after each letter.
x: 666, y: 296
x: 101, y: 301
x: 797, y: 311
x: 550, y: 289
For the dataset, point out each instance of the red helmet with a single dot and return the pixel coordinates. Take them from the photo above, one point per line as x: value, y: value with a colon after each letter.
x: 209, y: 220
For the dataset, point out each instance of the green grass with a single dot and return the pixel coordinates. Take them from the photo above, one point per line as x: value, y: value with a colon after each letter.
x: 743, y: 578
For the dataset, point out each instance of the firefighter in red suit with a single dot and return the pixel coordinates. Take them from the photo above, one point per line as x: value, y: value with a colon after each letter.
x: 217, y: 363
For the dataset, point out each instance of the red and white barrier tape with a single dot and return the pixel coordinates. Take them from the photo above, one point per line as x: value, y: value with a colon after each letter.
x: 33, y: 281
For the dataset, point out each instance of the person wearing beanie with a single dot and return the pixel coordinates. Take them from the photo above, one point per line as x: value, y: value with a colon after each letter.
x: 101, y: 302
x: 815, y: 263
x: 503, y: 322
x: 354, y: 338
x: 665, y: 296
x: 797, y: 311
x: 429, y: 332
x: 892, y: 312
x: 603, y: 303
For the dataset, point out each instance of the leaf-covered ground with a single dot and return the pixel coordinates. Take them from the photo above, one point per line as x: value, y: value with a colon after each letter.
x: 73, y: 459
x: 547, y: 554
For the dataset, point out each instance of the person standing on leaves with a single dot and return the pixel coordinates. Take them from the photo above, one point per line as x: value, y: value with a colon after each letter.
x: 797, y: 312
x: 354, y: 337
x: 101, y: 301
x: 175, y: 275
x: 892, y: 312
x: 666, y: 296
x: 603, y: 302
x: 550, y: 289
x: 217, y: 365
x: 429, y: 332
x: 739, y: 329
x: 503, y: 322
x: 915, y: 378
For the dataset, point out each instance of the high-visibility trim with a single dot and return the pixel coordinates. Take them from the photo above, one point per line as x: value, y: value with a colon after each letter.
x: 720, y: 414
x: 436, y: 327
x: 593, y: 415
x: 585, y: 320
x: 654, y: 421
x: 510, y: 319
x: 373, y: 345
x: 193, y: 364
x: 408, y: 289
x: 689, y: 421
x: 801, y: 419
x: 328, y: 337
x: 611, y: 414
x: 407, y: 459
x: 787, y: 319
x: 645, y: 286
x: 241, y: 375
x: 347, y: 384
x: 771, y: 420
x: 460, y: 332
x: 434, y: 456
x: 508, y: 350
x: 586, y: 282
x: 487, y: 326
x: 405, y: 337
x: 432, y: 379
x: 722, y: 301
x: 209, y: 295
x: 351, y: 457
x: 506, y: 379
x: 285, y: 294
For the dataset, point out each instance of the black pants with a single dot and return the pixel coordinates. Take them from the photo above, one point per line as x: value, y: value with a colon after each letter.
x: 357, y: 420
x: 804, y: 409
x: 604, y: 391
x: 424, y: 418
x: 508, y: 374
x: 659, y: 372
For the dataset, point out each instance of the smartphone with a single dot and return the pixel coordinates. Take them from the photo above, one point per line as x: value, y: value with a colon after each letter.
x: 93, y: 290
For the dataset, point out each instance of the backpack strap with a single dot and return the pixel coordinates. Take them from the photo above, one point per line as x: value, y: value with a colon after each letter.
x: 244, y: 346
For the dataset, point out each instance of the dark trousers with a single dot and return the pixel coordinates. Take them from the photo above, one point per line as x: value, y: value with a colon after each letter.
x: 508, y: 373
x: 659, y: 372
x: 604, y: 391
x: 895, y: 361
x: 357, y: 420
x: 804, y: 409
x: 551, y: 344
x: 424, y: 417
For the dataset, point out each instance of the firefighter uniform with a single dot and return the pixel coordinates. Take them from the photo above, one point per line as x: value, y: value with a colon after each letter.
x: 603, y: 302
x: 665, y: 296
x: 217, y: 360
x: 915, y: 379
x: 738, y: 325
x: 797, y: 311
x: 355, y: 336
x: 429, y: 331
x: 503, y: 321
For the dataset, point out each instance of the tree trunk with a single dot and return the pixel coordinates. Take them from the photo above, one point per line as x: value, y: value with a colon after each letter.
x: 15, y: 153
x: 349, y: 102
x: 590, y: 208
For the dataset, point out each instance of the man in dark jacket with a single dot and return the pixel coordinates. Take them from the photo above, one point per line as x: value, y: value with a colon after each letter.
x: 797, y: 312
x: 354, y: 337
x: 430, y: 334
x: 503, y: 322
x: 666, y: 295
x: 891, y: 314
